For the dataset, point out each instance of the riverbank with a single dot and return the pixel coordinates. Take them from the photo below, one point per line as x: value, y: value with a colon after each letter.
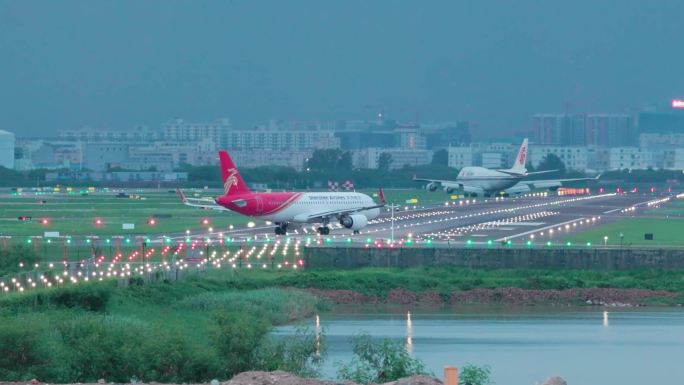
x: 507, y: 296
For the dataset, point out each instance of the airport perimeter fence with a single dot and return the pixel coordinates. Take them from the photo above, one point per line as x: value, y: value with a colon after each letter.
x: 507, y: 258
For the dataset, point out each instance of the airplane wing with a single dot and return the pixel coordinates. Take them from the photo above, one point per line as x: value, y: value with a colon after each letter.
x: 550, y: 183
x: 202, y: 203
x: 441, y: 182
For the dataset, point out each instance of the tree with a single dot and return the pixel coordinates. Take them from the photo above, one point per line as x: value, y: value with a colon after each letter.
x: 441, y: 158
x: 384, y: 161
x: 475, y: 375
x: 329, y: 159
x: 552, y: 162
x: 379, y: 362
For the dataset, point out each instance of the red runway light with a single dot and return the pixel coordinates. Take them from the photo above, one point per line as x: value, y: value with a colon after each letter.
x: 44, y: 222
x: 205, y: 221
x: 151, y: 222
x: 97, y: 221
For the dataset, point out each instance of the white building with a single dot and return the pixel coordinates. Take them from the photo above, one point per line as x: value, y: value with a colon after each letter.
x: 6, y: 149
x: 630, y: 158
x: 250, y: 158
x: 574, y: 157
x: 678, y: 159
x: 181, y: 131
x: 370, y: 157
x: 460, y: 157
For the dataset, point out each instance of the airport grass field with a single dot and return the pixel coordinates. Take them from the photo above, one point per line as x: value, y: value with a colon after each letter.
x: 104, y: 214
x: 665, y: 223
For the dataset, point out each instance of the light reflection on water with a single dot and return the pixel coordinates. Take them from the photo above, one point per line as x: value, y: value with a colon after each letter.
x: 525, y: 346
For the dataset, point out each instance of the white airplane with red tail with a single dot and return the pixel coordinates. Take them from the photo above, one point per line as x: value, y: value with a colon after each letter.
x: 351, y: 209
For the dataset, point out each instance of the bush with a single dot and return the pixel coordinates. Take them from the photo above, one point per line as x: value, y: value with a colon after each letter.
x: 277, y: 305
x: 22, y: 356
x: 379, y: 362
x: 238, y: 337
x: 301, y: 354
x: 474, y: 375
x: 92, y: 297
x: 11, y: 257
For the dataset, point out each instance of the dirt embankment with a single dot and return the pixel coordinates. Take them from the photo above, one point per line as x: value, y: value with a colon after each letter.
x: 274, y: 378
x: 504, y: 296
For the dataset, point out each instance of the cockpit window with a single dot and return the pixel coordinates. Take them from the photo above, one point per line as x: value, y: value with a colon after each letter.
x: 240, y: 202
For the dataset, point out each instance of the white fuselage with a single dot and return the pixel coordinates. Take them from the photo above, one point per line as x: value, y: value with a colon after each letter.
x: 315, y: 203
x: 486, y: 179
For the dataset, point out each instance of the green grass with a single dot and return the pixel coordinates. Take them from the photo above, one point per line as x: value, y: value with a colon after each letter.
x: 672, y: 209
x: 75, y: 215
x: 666, y: 232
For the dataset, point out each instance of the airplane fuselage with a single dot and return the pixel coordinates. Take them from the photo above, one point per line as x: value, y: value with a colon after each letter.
x: 490, y: 181
x: 282, y: 207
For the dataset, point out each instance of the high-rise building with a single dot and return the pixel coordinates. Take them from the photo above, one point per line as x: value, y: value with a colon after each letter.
x: 6, y: 149
x: 585, y: 129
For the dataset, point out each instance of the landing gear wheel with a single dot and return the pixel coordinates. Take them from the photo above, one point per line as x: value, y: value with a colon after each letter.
x: 323, y: 230
x: 281, y: 229
x: 357, y: 232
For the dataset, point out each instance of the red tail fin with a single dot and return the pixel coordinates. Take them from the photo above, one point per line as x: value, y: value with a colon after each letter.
x: 232, y: 181
x: 381, y: 195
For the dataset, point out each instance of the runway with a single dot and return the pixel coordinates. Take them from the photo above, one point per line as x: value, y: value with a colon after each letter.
x: 477, y: 221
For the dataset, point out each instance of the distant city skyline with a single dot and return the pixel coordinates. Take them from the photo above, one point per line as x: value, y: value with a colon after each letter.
x: 117, y: 65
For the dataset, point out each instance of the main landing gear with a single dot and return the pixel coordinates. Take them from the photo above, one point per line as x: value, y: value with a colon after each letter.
x: 281, y: 229
x: 323, y: 230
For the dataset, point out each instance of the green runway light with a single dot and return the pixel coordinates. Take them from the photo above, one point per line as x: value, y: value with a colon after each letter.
x: 409, y: 241
x: 588, y: 244
x: 509, y: 243
x: 429, y: 241
x: 569, y: 244
x: 108, y: 241
x: 469, y: 242
x: 368, y: 240
x: 147, y: 240
x: 489, y: 242
x: 28, y: 241
x: 349, y: 240
x: 128, y: 240
x: 87, y: 240
x: 227, y: 240
x: 187, y: 240
x: 68, y: 240
x: 548, y: 243
x: 529, y: 243
x: 328, y: 240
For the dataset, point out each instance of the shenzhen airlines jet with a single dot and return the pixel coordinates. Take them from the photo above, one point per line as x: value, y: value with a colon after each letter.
x: 351, y: 209
x: 483, y: 181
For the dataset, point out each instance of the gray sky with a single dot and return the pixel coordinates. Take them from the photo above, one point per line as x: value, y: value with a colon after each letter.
x: 116, y: 64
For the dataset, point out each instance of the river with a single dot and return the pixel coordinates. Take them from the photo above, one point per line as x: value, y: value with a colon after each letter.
x: 523, y: 346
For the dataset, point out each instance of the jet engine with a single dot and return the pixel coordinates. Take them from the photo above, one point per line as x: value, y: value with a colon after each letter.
x: 449, y: 190
x: 432, y: 186
x: 354, y: 221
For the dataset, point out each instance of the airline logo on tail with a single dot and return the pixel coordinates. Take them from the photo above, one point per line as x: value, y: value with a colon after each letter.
x: 231, y: 180
x: 522, y: 155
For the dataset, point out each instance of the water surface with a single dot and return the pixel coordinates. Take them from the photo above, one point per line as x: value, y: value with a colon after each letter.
x: 525, y: 346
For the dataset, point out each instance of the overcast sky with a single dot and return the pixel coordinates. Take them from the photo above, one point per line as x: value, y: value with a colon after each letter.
x: 117, y: 64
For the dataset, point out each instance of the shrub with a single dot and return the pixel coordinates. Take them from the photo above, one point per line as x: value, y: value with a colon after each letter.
x: 301, y: 354
x: 379, y: 362
x: 475, y: 375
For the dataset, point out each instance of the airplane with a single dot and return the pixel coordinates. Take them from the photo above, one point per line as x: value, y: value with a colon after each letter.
x: 351, y: 209
x: 476, y: 181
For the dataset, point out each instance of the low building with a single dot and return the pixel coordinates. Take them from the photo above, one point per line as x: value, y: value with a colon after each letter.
x: 370, y: 157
